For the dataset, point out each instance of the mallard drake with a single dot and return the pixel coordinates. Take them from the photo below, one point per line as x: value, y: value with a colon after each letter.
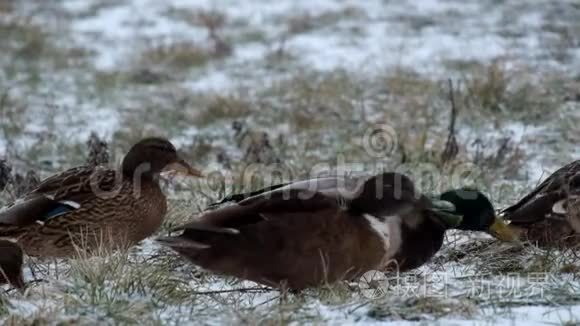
x: 308, y: 233
x: 549, y: 215
x: 11, y: 264
x: 90, y: 206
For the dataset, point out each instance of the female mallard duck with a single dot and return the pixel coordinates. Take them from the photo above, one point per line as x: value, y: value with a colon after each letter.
x: 308, y: 233
x: 88, y: 207
x: 11, y: 264
x: 549, y: 216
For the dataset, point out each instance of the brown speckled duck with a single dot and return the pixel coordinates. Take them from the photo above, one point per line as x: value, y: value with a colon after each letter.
x: 11, y: 264
x: 319, y: 231
x: 88, y: 207
x: 549, y: 216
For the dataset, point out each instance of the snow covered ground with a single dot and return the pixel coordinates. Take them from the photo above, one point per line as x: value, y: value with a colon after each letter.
x: 372, y: 35
x: 314, y: 75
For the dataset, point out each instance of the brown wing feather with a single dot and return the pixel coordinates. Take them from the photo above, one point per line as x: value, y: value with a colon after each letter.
x: 259, y: 209
x: 77, y: 186
x: 334, y: 187
x: 302, y: 248
x: 238, y: 197
x: 537, y: 204
x: 27, y: 212
x: 297, y: 199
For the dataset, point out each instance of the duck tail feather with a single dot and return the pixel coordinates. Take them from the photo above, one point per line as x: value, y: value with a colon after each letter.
x: 182, y: 243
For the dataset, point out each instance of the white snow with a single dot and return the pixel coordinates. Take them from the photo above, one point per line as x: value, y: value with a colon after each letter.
x: 384, y: 35
x: 446, y: 30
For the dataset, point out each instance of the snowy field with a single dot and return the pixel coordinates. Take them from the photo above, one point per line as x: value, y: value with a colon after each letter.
x: 306, y: 86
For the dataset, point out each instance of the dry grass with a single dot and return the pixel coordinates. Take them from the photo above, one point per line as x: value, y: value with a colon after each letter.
x: 30, y: 47
x: 298, y: 23
x: 152, y: 286
x: 185, y: 54
x: 213, y: 20
x: 417, y: 308
x: 218, y: 108
x: 311, y: 119
x: 314, y: 100
x: 408, y: 84
x: 33, y: 39
x: 176, y: 55
x: 7, y: 6
x: 495, y: 88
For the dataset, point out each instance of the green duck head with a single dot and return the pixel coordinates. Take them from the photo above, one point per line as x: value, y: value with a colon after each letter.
x: 469, y: 209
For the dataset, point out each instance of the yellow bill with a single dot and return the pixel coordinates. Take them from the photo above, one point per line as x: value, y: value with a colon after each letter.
x: 501, y: 230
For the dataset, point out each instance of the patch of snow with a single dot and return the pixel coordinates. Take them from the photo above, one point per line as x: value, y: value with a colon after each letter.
x: 420, y: 35
x: 217, y: 81
x: 23, y: 307
x: 386, y: 38
x: 536, y: 315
